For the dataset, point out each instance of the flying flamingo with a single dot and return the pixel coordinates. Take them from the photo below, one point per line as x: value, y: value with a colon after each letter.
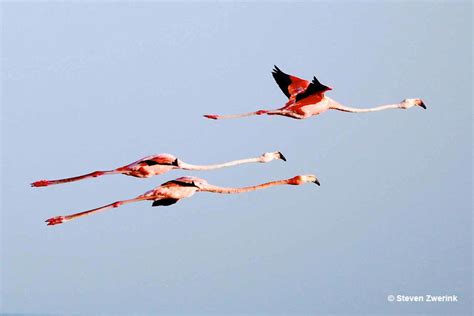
x: 172, y: 191
x: 159, y: 164
x: 307, y: 99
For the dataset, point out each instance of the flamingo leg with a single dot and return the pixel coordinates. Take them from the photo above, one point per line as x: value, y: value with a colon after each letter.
x: 66, y: 218
x: 286, y: 113
x: 95, y: 174
x: 230, y: 116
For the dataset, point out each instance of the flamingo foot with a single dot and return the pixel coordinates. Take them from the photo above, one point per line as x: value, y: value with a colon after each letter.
x: 56, y: 220
x: 41, y: 183
x: 212, y: 116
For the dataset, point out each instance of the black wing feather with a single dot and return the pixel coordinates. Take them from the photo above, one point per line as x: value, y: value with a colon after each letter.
x: 183, y: 183
x: 164, y: 202
x: 282, y: 79
x: 152, y: 163
x: 314, y: 87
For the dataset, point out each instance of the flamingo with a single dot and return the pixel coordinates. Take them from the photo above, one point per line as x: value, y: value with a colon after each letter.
x: 172, y: 191
x: 307, y: 99
x: 159, y: 164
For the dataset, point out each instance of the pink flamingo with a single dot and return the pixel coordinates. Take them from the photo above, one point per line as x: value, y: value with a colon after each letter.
x: 307, y: 99
x: 172, y: 191
x: 159, y: 164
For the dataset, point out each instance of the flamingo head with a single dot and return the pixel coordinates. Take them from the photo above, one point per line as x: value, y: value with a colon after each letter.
x: 408, y: 103
x: 308, y: 178
x: 266, y: 157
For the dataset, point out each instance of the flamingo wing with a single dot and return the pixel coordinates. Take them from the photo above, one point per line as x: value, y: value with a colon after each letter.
x: 186, y: 182
x: 151, y: 162
x: 290, y: 85
x: 162, y: 159
x: 313, y: 94
x: 164, y: 202
x: 183, y: 182
x: 314, y: 89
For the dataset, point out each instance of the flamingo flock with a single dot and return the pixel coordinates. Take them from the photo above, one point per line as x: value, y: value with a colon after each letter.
x: 305, y: 99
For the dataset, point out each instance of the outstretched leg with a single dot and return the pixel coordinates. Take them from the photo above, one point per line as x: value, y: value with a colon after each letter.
x: 95, y: 174
x: 287, y: 114
x: 66, y: 218
x: 218, y: 117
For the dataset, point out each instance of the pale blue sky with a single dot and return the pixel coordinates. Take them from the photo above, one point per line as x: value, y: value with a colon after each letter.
x: 88, y: 86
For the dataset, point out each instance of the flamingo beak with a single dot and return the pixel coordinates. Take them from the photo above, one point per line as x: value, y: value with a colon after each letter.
x: 281, y: 156
x: 422, y: 104
x: 317, y: 182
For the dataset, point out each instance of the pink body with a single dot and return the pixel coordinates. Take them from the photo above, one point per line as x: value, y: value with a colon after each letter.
x: 140, y: 170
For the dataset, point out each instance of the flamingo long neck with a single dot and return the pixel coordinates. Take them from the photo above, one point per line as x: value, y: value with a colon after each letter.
x: 95, y: 174
x: 216, y: 189
x: 187, y: 166
x: 337, y: 106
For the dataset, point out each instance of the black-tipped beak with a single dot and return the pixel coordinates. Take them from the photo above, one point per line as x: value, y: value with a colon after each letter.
x: 281, y: 156
x: 317, y: 182
x: 423, y: 105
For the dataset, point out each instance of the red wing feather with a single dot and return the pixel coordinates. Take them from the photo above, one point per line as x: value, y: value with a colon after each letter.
x: 299, y: 91
x: 315, y: 88
x: 290, y: 85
